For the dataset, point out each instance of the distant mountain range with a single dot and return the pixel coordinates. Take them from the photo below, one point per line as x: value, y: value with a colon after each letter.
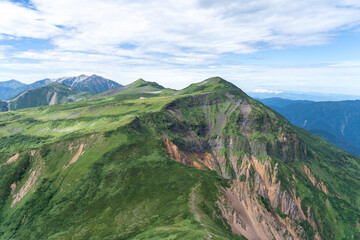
x: 94, y: 83
x: 12, y: 84
x: 337, y: 122
x: 310, y: 96
x: 64, y: 90
x: 51, y: 94
x: 11, y: 88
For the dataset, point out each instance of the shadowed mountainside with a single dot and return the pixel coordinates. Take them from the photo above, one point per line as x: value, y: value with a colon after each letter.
x: 337, y: 122
x: 55, y: 93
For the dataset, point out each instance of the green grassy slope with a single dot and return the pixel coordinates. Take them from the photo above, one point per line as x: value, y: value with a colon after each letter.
x: 120, y: 188
x: 137, y: 89
x: 98, y: 168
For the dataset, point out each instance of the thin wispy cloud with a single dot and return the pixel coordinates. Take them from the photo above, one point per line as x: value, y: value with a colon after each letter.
x: 123, y: 39
x: 267, y: 91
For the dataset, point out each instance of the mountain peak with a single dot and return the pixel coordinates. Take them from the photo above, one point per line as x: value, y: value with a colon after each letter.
x: 139, y: 81
x: 94, y: 75
x: 93, y: 83
x: 217, y: 80
x: 213, y: 84
x: 12, y: 83
x: 142, y: 83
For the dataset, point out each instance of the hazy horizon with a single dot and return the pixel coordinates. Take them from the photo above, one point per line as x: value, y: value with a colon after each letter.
x: 262, y: 93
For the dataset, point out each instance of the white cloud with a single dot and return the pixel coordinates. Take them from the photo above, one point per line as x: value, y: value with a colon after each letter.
x: 18, y: 21
x: 170, y: 26
x: 248, y: 77
x: 174, y: 41
x: 347, y: 64
x: 266, y: 91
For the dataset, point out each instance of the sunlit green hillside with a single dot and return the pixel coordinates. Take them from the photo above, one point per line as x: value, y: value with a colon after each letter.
x: 147, y: 162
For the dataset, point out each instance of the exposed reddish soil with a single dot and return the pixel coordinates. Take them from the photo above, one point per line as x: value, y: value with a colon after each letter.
x: 76, y: 157
x: 176, y: 154
x: 319, y: 184
x: 26, y: 187
x: 13, y: 158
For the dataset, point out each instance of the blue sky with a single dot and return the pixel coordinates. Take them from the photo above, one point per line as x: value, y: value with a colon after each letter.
x: 311, y: 46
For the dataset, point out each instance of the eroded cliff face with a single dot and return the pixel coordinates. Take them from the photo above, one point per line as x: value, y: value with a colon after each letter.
x: 242, y: 204
x: 176, y: 154
x: 240, y: 140
x: 319, y: 184
x: 248, y: 218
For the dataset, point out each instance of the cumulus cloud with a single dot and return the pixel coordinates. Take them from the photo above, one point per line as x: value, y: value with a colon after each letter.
x: 174, y: 38
x: 17, y: 21
x: 174, y: 27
